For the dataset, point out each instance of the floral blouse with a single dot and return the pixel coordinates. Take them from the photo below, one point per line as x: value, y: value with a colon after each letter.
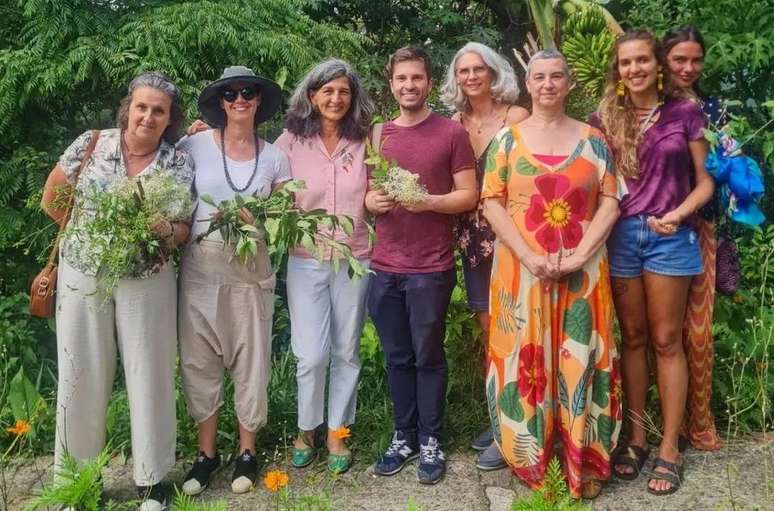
x: 106, y: 168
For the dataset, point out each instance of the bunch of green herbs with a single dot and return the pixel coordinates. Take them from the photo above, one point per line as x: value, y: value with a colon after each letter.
x: 119, y: 236
x: 282, y: 226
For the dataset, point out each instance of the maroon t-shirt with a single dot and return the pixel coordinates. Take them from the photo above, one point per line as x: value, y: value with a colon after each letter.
x: 436, y: 148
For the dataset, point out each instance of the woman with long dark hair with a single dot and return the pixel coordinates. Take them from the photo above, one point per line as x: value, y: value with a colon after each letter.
x: 684, y: 50
x: 658, y: 144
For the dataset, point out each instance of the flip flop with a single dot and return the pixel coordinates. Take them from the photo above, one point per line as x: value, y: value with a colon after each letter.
x: 673, y: 477
x: 632, y: 456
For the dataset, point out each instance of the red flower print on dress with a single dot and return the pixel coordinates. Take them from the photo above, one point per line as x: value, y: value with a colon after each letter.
x: 532, y: 375
x: 556, y: 212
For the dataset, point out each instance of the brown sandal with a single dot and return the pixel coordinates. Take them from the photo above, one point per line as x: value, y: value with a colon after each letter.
x: 673, y: 477
x: 632, y: 456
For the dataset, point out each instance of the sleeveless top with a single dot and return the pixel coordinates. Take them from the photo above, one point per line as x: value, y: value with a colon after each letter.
x: 475, y: 238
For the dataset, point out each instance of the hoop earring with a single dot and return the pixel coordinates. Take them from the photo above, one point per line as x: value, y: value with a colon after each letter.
x: 620, y: 92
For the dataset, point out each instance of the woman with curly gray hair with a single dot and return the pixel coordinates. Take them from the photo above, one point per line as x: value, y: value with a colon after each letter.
x: 138, y: 317
x: 325, y: 139
x: 482, y: 87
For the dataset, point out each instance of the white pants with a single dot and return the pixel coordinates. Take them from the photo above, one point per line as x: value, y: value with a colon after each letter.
x: 139, y: 321
x: 327, y: 311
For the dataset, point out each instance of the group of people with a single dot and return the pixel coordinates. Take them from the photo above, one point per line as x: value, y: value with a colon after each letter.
x: 559, y: 224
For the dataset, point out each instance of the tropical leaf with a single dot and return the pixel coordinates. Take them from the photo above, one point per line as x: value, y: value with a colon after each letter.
x: 491, y: 391
x: 577, y: 321
x: 525, y: 168
x: 600, y: 392
x: 564, y: 395
x: 575, y: 281
x: 510, y: 402
x: 605, y: 428
x: 581, y: 391
x: 536, y: 425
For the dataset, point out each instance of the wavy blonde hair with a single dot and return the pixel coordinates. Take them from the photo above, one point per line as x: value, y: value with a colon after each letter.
x: 619, y: 119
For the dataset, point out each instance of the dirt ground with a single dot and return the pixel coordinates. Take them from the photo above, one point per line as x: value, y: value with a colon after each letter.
x: 740, y: 478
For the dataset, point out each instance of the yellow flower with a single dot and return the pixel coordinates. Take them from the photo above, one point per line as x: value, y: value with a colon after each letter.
x: 275, y: 480
x: 342, y: 433
x: 21, y: 427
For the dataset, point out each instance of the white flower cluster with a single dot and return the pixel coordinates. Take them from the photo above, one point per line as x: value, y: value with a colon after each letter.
x: 403, y: 186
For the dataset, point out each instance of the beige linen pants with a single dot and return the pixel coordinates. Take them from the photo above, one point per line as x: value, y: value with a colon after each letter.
x: 225, y: 315
x: 138, y: 321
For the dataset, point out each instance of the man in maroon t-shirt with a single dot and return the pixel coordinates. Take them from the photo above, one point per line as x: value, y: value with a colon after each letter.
x: 413, y: 261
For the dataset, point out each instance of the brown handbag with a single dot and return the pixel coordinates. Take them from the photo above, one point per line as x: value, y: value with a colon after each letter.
x: 43, y: 289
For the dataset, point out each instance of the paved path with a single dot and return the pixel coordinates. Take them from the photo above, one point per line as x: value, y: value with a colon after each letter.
x: 739, y: 478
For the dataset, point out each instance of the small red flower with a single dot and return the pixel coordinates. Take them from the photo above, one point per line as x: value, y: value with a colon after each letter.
x: 532, y: 375
x: 555, y: 213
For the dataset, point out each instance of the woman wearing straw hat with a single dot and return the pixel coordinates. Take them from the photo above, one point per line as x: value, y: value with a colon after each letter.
x: 225, y: 306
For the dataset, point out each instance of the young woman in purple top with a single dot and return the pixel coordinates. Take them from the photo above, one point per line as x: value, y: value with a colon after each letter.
x: 657, y: 141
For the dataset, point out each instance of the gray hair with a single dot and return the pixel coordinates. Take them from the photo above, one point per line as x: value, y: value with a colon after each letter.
x: 161, y: 82
x: 504, y: 89
x: 549, y: 55
x: 303, y: 120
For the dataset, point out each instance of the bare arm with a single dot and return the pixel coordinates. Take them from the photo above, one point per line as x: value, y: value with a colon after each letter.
x: 463, y: 196
x: 56, y: 184
x: 515, y: 115
x: 508, y: 234
x: 594, y: 237
x: 699, y: 196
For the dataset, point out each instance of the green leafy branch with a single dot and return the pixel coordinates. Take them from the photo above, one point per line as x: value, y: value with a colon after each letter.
x: 283, y: 226
x: 119, y: 235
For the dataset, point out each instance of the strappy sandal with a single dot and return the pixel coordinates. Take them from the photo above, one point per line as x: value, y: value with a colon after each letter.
x: 632, y: 456
x: 674, y: 477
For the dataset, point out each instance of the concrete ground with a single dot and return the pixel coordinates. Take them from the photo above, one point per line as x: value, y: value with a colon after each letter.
x: 740, y: 478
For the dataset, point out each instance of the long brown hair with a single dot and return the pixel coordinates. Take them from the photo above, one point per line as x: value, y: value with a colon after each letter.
x: 619, y: 119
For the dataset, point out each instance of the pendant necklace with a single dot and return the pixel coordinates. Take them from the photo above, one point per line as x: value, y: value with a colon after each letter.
x: 225, y: 164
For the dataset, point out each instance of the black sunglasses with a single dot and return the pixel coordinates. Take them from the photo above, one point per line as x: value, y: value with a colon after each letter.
x: 247, y: 94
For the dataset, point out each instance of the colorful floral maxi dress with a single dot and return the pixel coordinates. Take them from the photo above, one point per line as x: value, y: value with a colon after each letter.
x: 553, y: 368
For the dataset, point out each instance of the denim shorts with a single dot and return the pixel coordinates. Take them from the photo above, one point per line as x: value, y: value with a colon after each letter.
x: 634, y: 247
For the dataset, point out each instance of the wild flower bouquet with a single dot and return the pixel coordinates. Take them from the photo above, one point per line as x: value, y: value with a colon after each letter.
x: 397, y: 182
x: 120, y: 236
x: 283, y: 226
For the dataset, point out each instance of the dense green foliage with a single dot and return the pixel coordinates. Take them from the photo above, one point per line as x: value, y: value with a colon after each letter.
x: 65, y: 64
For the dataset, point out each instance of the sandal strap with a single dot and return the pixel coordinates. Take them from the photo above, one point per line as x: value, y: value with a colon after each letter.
x: 672, y: 467
x: 669, y: 477
x: 632, y: 456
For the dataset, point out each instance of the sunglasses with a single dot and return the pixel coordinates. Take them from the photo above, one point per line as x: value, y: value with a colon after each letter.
x: 247, y: 94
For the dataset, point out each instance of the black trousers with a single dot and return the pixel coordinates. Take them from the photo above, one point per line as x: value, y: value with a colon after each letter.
x: 409, y: 312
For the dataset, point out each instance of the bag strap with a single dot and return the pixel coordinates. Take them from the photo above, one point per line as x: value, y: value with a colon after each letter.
x: 54, y: 255
x: 376, y: 136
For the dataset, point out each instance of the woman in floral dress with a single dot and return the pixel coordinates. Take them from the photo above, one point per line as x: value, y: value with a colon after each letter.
x: 551, y: 196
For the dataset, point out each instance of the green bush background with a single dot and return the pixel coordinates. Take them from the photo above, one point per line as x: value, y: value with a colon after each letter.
x: 65, y: 65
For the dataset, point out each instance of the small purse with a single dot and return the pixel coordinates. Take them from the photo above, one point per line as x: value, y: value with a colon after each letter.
x: 43, y: 288
x: 728, y: 273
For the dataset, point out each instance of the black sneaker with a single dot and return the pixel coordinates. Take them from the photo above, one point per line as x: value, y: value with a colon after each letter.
x: 401, y: 450
x: 199, y: 476
x: 154, y: 498
x: 432, y: 462
x: 245, y: 472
